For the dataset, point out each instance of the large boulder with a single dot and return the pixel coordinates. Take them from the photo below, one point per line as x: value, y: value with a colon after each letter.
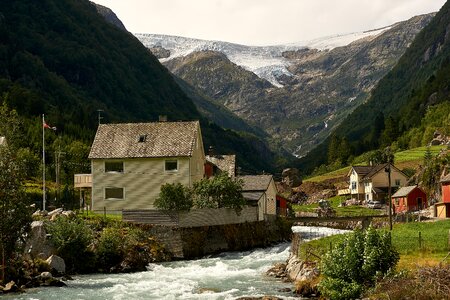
x: 37, y: 244
x: 10, y: 287
x: 291, y: 177
x: 57, y: 264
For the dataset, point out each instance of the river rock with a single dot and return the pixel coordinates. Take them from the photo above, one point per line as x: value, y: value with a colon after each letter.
x: 57, y: 211
x: 68, y: 213
x: 10, y: 287
x: 57, y: 264
x: 46, y: 275
x: 278, y: 271
x: 259, y: 298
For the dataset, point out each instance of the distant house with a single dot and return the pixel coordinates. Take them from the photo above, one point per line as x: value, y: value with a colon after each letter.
x: 369, y: 183
x: 131, y: 161
x: 443, y: 208
x: 409, y: 198
x: 216, y: 164
x: 260, y: 190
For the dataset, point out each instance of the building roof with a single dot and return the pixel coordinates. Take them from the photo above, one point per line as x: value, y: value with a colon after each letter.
x: 139, y: 140
x: 362, y: 170
x: 225, y: 163
x: 254, y: 183
x: 252, y: 196
x: 380, y: 190
x: 404, y: 191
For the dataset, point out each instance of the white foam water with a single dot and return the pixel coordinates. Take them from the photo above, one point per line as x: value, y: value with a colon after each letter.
x: 225, y: 276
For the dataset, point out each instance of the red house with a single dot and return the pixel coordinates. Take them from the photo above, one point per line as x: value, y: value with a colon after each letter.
x: 409, y: 198
x: 443, y: 208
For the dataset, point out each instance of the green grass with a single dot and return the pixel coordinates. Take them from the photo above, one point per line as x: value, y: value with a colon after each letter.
x: 416, y: 154
x: 346, y: 211
x: 405, y: 237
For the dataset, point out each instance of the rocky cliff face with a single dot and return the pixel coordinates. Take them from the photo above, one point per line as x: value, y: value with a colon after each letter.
x: 312, y: 90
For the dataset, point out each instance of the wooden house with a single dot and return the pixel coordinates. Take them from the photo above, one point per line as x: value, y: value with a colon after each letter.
x: 260, y: 190
x: 409, y: 198
x: 369, y: 183
x: 130, y: 162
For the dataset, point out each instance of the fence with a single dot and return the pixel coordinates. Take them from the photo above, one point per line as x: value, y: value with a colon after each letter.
x: 193, y: 218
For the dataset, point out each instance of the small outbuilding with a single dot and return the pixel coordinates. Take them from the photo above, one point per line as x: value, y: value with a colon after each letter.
x: 409, y: 198
x: 442, y: 209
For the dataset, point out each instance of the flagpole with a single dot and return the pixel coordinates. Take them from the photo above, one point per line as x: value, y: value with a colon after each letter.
x: 43, y: 162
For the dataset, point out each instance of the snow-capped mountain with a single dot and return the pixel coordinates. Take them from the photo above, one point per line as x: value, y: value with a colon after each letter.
x: 265, y: 61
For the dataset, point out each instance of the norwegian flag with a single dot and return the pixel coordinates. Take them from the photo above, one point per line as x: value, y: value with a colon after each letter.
x: 45, y: 125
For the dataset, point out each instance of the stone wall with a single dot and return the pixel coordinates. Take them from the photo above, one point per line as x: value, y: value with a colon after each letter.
x: 194, y: 242
x: 193, y: 218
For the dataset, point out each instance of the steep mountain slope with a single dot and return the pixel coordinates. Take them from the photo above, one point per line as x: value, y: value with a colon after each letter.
x: 420, y: 79
x: 61, y: 58
x: 312, y: 89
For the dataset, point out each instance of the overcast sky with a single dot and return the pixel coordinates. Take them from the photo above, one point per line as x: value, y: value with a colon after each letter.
x: 263, y: 22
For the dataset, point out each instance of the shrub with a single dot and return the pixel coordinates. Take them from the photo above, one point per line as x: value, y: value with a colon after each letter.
x: 356, y: 262
x: 174, y: 197
x: 71, y: 238
x: 219, y: 191
x: 110, y: 247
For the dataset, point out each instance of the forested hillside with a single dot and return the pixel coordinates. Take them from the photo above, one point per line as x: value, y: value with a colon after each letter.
x: 62, y: 59
x: 394, y: 113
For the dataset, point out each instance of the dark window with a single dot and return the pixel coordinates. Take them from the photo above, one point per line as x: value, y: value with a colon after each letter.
x: 353, y: 185
x: 113, y: 193
x: 397, y: 182
x: 114, y: 166
x: 142, y: 138
x: 171, y: 165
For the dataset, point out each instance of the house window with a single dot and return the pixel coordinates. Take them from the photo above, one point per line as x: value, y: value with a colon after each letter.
x: 114, y: 193
x: 171, y: 165
x: 353, y: 185
x: 397, y: 182
x: 367, y: 196
x: 142, y: 138
x: 114, y: 166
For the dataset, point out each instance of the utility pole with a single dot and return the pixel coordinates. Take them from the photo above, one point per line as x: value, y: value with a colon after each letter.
x: 389, y: 159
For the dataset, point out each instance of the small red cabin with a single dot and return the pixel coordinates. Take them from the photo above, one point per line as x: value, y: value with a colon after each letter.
x: 409, y: 198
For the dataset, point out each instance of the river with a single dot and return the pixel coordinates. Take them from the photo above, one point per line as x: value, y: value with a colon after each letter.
x: 226, y: 276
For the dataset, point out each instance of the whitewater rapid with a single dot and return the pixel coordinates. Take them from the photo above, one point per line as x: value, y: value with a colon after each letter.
x: 225, y: 276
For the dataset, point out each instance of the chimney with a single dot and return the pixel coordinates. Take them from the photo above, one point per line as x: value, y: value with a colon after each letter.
x: 211, y: 151
x: 163, y: 118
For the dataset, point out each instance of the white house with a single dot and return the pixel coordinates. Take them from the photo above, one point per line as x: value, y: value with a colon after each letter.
x: 131, y: 161
x: 371, y: 182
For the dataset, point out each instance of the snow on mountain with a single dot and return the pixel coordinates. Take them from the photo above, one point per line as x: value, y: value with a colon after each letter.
x: 265, y: 61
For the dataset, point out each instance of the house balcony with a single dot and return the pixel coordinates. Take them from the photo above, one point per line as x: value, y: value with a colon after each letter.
x: 83, y: 180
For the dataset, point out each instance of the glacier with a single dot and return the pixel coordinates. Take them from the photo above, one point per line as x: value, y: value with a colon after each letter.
x: 266, y: 62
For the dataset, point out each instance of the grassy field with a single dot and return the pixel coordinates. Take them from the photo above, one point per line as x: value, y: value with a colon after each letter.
x: 429, y: 249
x: 404, y: 159
x: 346, y: 211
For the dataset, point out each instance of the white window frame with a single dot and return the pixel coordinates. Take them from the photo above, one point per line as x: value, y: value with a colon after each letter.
x: 399, y: 182
x: 171, y: 161
x: 113, y: 187
x: 115, y: 172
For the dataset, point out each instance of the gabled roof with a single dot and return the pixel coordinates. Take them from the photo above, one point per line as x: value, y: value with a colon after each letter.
x: 361, y: 170
x: 252, y: 196
x: 225, y: 163
x: 380, y: 190
x: 139, y: 140
x: 404, y: 191
x: 255, y: 183
x: 375, y: 170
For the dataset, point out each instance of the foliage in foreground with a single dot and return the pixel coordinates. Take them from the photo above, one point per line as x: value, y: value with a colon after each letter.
x: 426, y: 283
x: 356, y: 262
x: 106, y: 246
x: 15, y: 212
